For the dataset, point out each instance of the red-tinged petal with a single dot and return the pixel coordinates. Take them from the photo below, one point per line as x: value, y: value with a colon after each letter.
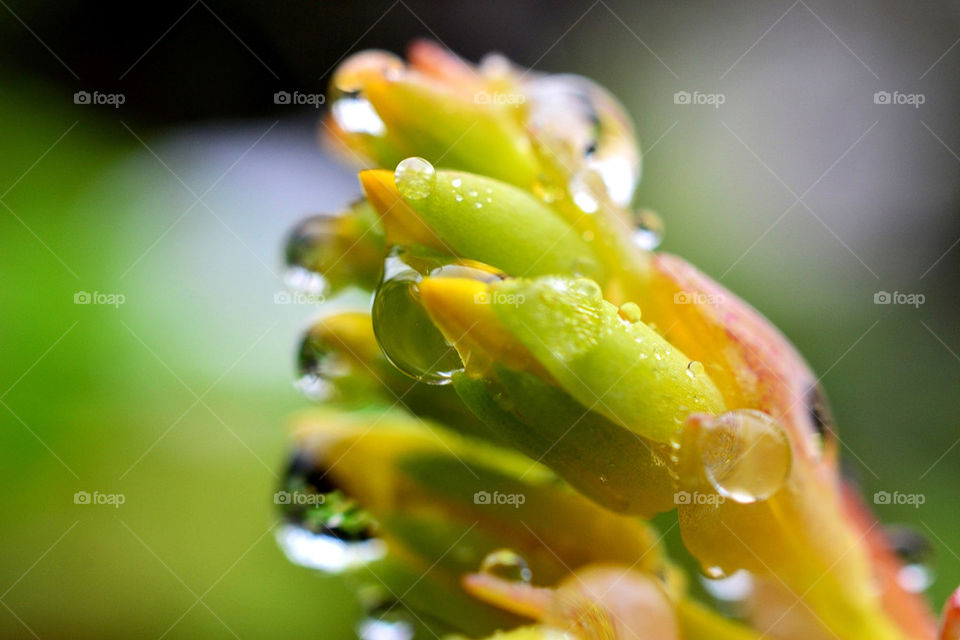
x: 908, y: 609
x: 951, y: 618
x: 433, y: 59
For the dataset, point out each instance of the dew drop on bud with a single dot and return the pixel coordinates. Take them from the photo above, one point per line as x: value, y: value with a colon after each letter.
x: 648, y: 230
x: 915, y: 551
x: 694, y: 369
x: 746, y: 455
x: 311, y: 245
x: 319, y: 366
x: 630, y: 312
x: 415, y: 178
x: 508, y: 565
x: 586, y: 288
x: 349, y: 108
x: 404, y: 331
x: 323, y: 527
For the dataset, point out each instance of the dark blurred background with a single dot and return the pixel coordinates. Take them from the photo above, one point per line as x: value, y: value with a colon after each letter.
x: 803, y: 191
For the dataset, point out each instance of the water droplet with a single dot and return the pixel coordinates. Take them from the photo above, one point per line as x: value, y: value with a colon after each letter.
x: 587, y: 236
x: 915, y: 551
x: 586, y: 288
x: 583, y: 195
x: 746, y: 455
x: 915, y: 578
x: 583, y: 127
x: 319, y: 366
x: 733, y: 588
x: 694, y: 369
x: 507, y: 564
x: 325, y: 529
x: 415, y: 178
x: 349, y: 108
x: 354, y: 114
x: 326, y: 553
x: 547, y: 189
x: 401, y: 325
x: 648, y: 233
x: 382, y: 629
x: 630, y: 312
x: 309, y: 282
x: 310, y: 246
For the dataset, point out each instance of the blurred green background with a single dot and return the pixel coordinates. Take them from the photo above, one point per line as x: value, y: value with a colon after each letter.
x: 179, y: 199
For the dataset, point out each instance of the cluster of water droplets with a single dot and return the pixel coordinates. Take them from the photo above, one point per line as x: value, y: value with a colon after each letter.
x: 404, y: 330
x: 587, y: 133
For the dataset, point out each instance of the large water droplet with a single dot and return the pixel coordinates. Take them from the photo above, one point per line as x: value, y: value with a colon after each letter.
x: 746, y: 455
x: 648, y: 233
x: 915, y: 551
x: 325, y: 529
x: 508, y: 565
x: 415, y: 178
x: 584, y: 128
x: 319, y: 366
x: 403, y: 329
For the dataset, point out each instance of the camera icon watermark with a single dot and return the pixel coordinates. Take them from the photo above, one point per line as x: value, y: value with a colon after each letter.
x: 499, y: 98
x: 96, y: 297
x: 97, y: 98
x: 97, y: 498
x: 298, y: 297
x: 897, y: 98
x: 298, y: 498
x: 497, y: 498
x: 697, y: 98
x: 299, y: 99
x: 697, y: 497
x: 911, y: 299
x: 497, y: 297
x: 697, y: 297
x: 912, y: 499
